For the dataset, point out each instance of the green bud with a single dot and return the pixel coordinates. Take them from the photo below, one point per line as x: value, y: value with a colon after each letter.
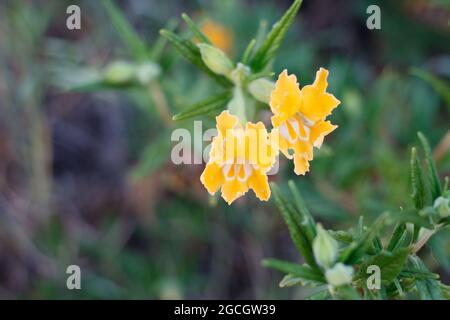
x: 325, y: 248
x: 147, y: 71
x: 119, y: 73
x: 215, y: 59
x: 442, y: 205
x: 339, y: 275
x: 261, y: 89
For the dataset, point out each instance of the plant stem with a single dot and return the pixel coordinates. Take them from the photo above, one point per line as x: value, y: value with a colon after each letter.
x: 160, y: 101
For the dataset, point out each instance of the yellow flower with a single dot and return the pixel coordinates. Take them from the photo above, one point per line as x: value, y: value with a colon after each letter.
x: 240, y: 158
x: 219, y: 36
x: 300, y: 116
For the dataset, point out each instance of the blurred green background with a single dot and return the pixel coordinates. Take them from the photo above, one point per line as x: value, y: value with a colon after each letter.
x: 86, y: 176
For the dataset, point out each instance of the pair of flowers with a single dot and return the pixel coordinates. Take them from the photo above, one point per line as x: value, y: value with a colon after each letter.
x: 241, y: 157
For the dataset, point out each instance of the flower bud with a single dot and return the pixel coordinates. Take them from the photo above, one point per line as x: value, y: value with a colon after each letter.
x: 147, y: 71
x: 442, y: 206
x: 215, y: 59
x: 325, y: 248
x: 261, y: 89
x: 339, y: 275
x: 119, y: 73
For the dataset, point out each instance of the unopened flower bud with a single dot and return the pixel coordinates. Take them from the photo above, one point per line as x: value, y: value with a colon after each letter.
x: 119, y: 73
x: 442, y: 206
x: 261, y: 89
x: 339, y: 275
x: 215, y: 59
x: 147, y: 71
x: 325, y: 248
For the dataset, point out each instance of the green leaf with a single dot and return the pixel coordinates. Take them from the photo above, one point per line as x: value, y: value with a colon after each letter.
x: 195, y: 30
x: 134, y: 44
x: 390, y: 263
x: 352, y: 253
x: 248, y: 51
x: 321, y: 295
x: 296, y: 229
x: 273, y: 40
x: 398, y: 237
x: 440, y: 86
x: 206, y: 106
x: 429, y: 289
x: 342, y: 236
x: 418, y: 274
x: 290, y: 280
x: 420, y: 190
x: 412, y: 216
x: 158, y: 47
x: 191, y: 52
x: 307, y: 219
x: 433, y: 177
x: 296, y: 270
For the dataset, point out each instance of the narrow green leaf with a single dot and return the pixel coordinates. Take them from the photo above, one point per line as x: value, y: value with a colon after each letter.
x: 273, y: 40
x: 321, y: 295
x: 158, y: 48
x: 290, y: 280
x: 301, y: 271
x: 433, y: 177
x: 429, y: 289
x: 420, y: 190
x: 359, y: 247
x: 307, y: 219
x: 248, y: 51
x: 342, y: 236
x: 397, y: 237
x: 418, y: 274
x: 206, y: 106
x: 134, y: 44
x: 195, y: 30
x: 190, y: 51
x: 296, y: 230
x: 412, y: 216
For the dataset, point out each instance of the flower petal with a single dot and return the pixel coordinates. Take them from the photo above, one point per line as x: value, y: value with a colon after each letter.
x: 319, y: 130
x: 212, y: 177
x: 231, y: 190
x: 301, y: 164
x: 226, y: 121
x: 316, y: 102
x: 260, y: 185
x: 285, y: 99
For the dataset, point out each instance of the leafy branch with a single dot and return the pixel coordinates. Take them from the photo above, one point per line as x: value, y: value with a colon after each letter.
x: 342, y: 259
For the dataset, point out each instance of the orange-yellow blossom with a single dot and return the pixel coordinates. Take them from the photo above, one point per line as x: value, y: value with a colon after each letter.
x: 240, y: 159
x: 300, y: 116
x: 219, y: 35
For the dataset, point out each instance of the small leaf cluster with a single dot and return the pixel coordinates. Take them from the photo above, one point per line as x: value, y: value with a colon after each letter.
x: 403, y: 273
x: 242, y: 82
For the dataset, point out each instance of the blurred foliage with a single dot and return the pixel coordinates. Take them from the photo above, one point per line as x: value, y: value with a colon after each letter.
x: 86, y: 177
